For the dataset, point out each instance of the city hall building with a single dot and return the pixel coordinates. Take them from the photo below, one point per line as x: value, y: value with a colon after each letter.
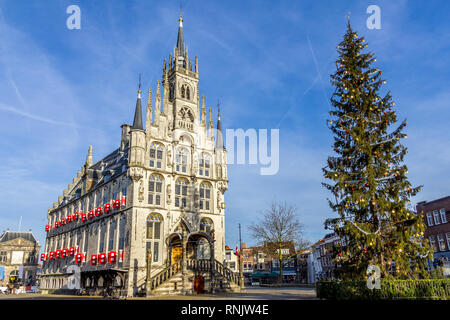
x: 149, y: 218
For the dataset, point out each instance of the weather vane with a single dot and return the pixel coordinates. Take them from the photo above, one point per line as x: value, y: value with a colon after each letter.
x: 139, y: 82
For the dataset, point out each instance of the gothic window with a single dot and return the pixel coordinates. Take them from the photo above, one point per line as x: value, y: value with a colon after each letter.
x: 156, y: 155
x: 206, y: 225
x: 102, y: 238
x: 155, y: 185
x: 122, y: 225
x: 204, y: 165
x: 203, y: 249
x: 185, y: 114
x: 154, y: 235
x: 188, y: 93
x: 183, y: 91
x: 181, y: 193
x: 181, y: 159
x: 112, y: 234
x: 205, y: 196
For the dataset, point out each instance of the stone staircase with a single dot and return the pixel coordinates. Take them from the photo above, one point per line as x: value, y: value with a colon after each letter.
x: 169, y: 281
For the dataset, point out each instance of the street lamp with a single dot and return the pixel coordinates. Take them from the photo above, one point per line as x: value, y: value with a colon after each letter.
x: 149, y: 269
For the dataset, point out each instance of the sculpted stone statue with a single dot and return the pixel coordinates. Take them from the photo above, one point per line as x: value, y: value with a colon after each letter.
x: 141, y: 192
x: 168, y: 190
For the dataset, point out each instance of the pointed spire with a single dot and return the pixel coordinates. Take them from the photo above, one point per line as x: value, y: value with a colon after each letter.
x: 210, y: 133
x: 137, y: 123
x: 219, y: 134
x: 180, y: 40
x: 203, y: 111
x: 89, y: 161
x: 166, y: 92
x: 148, y: 121
x: 158, y: 102
x: 196, y: 64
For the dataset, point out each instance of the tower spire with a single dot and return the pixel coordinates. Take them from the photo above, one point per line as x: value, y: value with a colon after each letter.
x: 137, y: 123
x: 149, y: 114
x: 219, y: 134
x: 180, y: 39
x: 180, y: 42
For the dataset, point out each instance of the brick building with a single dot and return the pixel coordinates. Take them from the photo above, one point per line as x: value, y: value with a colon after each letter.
x: 324, y: 266
x: 436, y: 214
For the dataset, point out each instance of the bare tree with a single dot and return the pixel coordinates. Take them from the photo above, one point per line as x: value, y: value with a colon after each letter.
x: 278, y: 228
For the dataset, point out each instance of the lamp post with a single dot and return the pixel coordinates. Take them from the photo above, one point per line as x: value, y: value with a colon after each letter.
x: 149, y: 270
x: 241, y: 275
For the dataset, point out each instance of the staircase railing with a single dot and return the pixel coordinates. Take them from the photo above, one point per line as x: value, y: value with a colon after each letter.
x: 205, y: 265
x: 194, y: 265
x: 227, y: 273
x: 165, y: 275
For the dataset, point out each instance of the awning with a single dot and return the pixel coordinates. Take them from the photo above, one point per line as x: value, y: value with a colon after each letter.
x: 286, y: 272
x: 264, y: 275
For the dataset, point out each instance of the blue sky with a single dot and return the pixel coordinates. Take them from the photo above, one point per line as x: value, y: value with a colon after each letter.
x: 267, y: 61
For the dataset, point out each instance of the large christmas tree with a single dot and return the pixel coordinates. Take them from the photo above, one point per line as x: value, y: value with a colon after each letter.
x: 369, y: 184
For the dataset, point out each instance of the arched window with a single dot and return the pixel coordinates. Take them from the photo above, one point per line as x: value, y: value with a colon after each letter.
x: 205, y: 196
x: 181, y: 159
x: 181, y: 193
x: 206, y: 225
x: 183, y: 91
x: 203, y: 249
x: 204, y: 165
x: 188, y: 93
x: 155, y: 189
x: 156, y: 155
x: 154, y: 235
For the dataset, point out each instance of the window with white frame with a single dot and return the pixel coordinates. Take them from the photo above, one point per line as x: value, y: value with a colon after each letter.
x: 432, y: 242
x: 205, y: 196
x: 3, y: 256
x: 443, y: 215
x: 181, y: 193
x: 447, y: 235
x: 156, y: 155
x: 112, y: 234
x: 441, y: 242
x: 429, y: 219
x: 436, y: 217
x: 155, y: 185
x: 154, y: 235
x: 102, y: 246
x: 204, y: 165
x: 181, y: 160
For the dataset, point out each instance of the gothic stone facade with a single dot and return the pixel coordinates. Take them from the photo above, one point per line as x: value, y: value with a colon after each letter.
x: 170, y: 180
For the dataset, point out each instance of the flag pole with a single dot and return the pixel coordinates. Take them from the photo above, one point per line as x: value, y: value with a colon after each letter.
x: 241, y: 275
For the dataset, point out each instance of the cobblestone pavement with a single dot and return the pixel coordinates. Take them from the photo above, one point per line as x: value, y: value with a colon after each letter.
x: 247, y: 294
